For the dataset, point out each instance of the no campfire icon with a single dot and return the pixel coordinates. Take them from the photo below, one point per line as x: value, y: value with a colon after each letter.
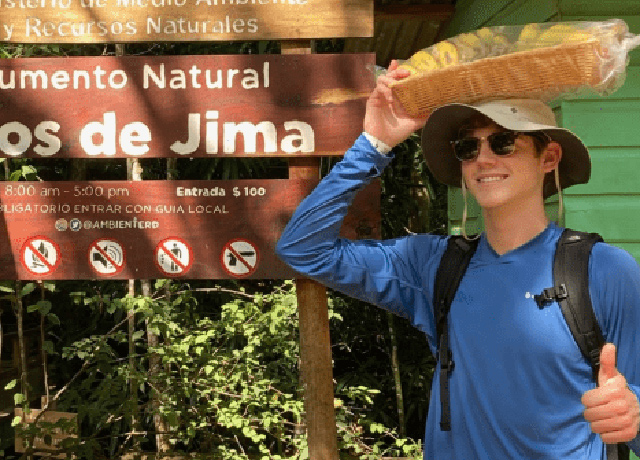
x: 40, y: 255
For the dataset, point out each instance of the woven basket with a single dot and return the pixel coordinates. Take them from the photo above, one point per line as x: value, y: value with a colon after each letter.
x: 524, y: 74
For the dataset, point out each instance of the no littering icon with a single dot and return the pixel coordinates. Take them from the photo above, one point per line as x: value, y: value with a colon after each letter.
x: 173, y: 256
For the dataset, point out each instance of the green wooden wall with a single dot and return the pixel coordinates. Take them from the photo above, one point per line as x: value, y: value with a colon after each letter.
x: 609, y: 126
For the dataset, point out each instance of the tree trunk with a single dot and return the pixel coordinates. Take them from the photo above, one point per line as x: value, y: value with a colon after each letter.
x: 155, y: 363
x: 7, y: 174
x: 134, y: 172
x: 133, y: 383
x: 155, y: 367
x: 24, y: 381
x: 395, y: 366
x: 45, y: 358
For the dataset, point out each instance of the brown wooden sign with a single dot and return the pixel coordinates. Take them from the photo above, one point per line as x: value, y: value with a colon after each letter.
x: 157, y: 229
x: 180, y: 106
x: 125, y: 21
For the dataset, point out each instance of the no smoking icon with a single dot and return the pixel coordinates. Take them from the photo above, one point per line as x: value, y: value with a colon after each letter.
x: 173, y: 256
x: 40, y: 255
x: 240, y: 257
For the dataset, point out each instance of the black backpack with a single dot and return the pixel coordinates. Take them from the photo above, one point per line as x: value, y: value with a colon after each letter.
x: 570, y: 290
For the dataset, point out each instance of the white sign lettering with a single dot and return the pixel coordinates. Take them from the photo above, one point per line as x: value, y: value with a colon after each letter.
x: 122, y: 21
x: 180, y: 106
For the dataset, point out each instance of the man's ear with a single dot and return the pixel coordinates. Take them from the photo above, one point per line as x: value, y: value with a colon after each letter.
x: 551, y: 156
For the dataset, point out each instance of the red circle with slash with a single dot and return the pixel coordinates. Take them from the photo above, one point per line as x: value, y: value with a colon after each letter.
x: 106, y: 256
x: 240, y: 257
x: 40, y: 256
x: 173, y: 256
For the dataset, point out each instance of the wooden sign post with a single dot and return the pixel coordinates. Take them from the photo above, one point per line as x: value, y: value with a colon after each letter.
x: 316, y: 366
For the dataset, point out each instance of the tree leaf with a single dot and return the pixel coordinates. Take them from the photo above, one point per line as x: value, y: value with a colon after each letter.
x: 53, y: 319
x: 44, y: 306
x: 28, y: 169
x: 47, y: 346
x: 28, y: 288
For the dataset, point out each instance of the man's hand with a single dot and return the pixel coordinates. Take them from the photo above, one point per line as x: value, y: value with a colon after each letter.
x: 385, y: 118
x: 612, y: 408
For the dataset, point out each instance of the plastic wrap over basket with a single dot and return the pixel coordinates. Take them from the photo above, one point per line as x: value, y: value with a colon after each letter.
x: 544, y: 61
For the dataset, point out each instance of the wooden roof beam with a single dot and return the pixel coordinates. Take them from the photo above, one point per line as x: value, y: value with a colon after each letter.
x: 426, y: 12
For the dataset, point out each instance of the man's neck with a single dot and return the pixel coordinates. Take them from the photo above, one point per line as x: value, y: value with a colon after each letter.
x: 508, y: 229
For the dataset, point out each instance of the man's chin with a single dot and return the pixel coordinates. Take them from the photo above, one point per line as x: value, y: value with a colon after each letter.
x: 490, y: 199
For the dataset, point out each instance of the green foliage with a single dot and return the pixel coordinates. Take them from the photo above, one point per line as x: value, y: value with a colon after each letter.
x: 17, y: 50
x: 412, y: 200
x: 226, y: 380
x: 360, y: 435
x: 361, y: 354
x: 19, y: 169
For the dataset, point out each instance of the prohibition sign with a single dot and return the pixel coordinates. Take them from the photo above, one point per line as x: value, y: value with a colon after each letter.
x: 240, y: 257
x: 106, y: 256
x: 173, y: 256
x: 40, y: 255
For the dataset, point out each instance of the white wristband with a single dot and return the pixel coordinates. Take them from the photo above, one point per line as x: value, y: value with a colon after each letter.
x: 377, y: 144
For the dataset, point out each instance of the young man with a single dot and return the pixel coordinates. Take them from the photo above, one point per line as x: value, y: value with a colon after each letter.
x: 520, y: 388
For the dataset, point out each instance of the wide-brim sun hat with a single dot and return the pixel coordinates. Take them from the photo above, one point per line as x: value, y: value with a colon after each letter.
x: 525, y: 115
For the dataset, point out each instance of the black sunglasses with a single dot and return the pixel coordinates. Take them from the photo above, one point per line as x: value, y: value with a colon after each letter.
x: 501, y: 143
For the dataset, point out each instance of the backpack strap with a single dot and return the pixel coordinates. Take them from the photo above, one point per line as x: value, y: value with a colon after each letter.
x: 571, y: 291
x: 571, y: 279
x: 618, y: 451
x: 452, y: 268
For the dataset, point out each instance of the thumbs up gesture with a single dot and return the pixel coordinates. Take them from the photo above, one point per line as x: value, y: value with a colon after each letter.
x: 612, y: 408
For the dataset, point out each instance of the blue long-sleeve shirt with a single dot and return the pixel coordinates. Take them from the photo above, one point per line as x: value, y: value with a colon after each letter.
x: 519, y: 376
